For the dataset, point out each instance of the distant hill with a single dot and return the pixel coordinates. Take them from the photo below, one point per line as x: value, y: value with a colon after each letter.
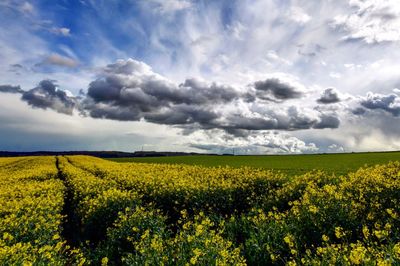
x: 100, y: 154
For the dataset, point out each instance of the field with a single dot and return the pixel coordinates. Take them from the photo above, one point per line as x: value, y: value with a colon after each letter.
x: 81, y: 210
x: 289, y: 164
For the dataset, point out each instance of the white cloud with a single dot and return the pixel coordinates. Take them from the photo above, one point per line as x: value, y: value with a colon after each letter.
x: 335, y: 75
x: 61, y: 31
x: 297, y: 14
x: 170, y: 6
x: 335, y: 148
x: 27, y: 7
x: 372, y: 21
x: 260, y: 143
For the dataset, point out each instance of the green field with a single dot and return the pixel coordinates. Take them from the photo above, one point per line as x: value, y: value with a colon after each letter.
x: 289, y: 164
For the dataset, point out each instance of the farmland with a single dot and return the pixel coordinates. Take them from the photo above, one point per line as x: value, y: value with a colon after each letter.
x: 81, y: 210
x: 288, y: 164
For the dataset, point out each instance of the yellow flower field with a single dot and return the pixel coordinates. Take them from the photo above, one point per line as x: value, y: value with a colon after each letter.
x: 80, y: 210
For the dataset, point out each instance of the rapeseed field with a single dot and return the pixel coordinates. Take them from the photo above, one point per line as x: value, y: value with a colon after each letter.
x: 80, y: 210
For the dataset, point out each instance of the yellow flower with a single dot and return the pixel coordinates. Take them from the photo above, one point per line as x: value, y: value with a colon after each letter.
x: 199, y: 229
x: 7, y: 236
x: 382, y: 262
x: 339, y: 232
x: 104, y: 261
x: 396, y: 250
x: 365, y: 231
x: 358, y: 255
x: 146, y: 234
x: 156, y: 244
x: 193, y: 260
x: 289, y: 240
x: 224, y: 253
x: 313, y: 209
x: 380, y: 233
x: 392, y: 213
x: 291, y: 263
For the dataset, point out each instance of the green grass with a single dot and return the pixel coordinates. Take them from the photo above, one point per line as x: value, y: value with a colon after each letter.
x: 289, y: 164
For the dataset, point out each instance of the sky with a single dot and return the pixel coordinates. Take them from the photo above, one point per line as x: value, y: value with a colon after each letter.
x: 259, y: 76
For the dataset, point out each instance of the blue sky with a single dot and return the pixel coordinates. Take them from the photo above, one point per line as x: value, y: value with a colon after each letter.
x: 259, y: 76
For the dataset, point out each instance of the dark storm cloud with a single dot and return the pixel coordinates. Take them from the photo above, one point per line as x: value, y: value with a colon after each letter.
x: 358, y: 111
x: 198, y: 92
x: 329, y: 96
x: 10, y: 89
x: 126, y: 88
x: 289, y: 119
x: 274, y: 89
x: 389, y: 103
x: 130, y: 91
x: 327, y: 121
x: 155, y: 100
x: 46, y: 95
x: 184, y: 115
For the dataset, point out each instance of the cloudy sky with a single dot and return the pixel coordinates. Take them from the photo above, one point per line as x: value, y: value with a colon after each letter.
x: 257, y: 76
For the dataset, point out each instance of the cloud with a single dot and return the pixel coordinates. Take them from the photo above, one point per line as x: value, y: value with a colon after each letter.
x: 62, y: 31
x: 330, y: 95
x: 129, y: 90
x: 46, y: 95
x: 297, y: 14
x: 372, y: 21
x: 284, y: 118
x: 389, y: 103
x: 16, y: 68
x: 274, y: 89
x: 310, y: 50
x: 10, y: 89
x: 359, y: 111
x: 169, y: 6
x: 26, y: 8
x: 273, y: 57
x: 255, y: 143
x: 327, y: 121
x: 334, y: 148
x: 132, y: 85
x: 58, y: 60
